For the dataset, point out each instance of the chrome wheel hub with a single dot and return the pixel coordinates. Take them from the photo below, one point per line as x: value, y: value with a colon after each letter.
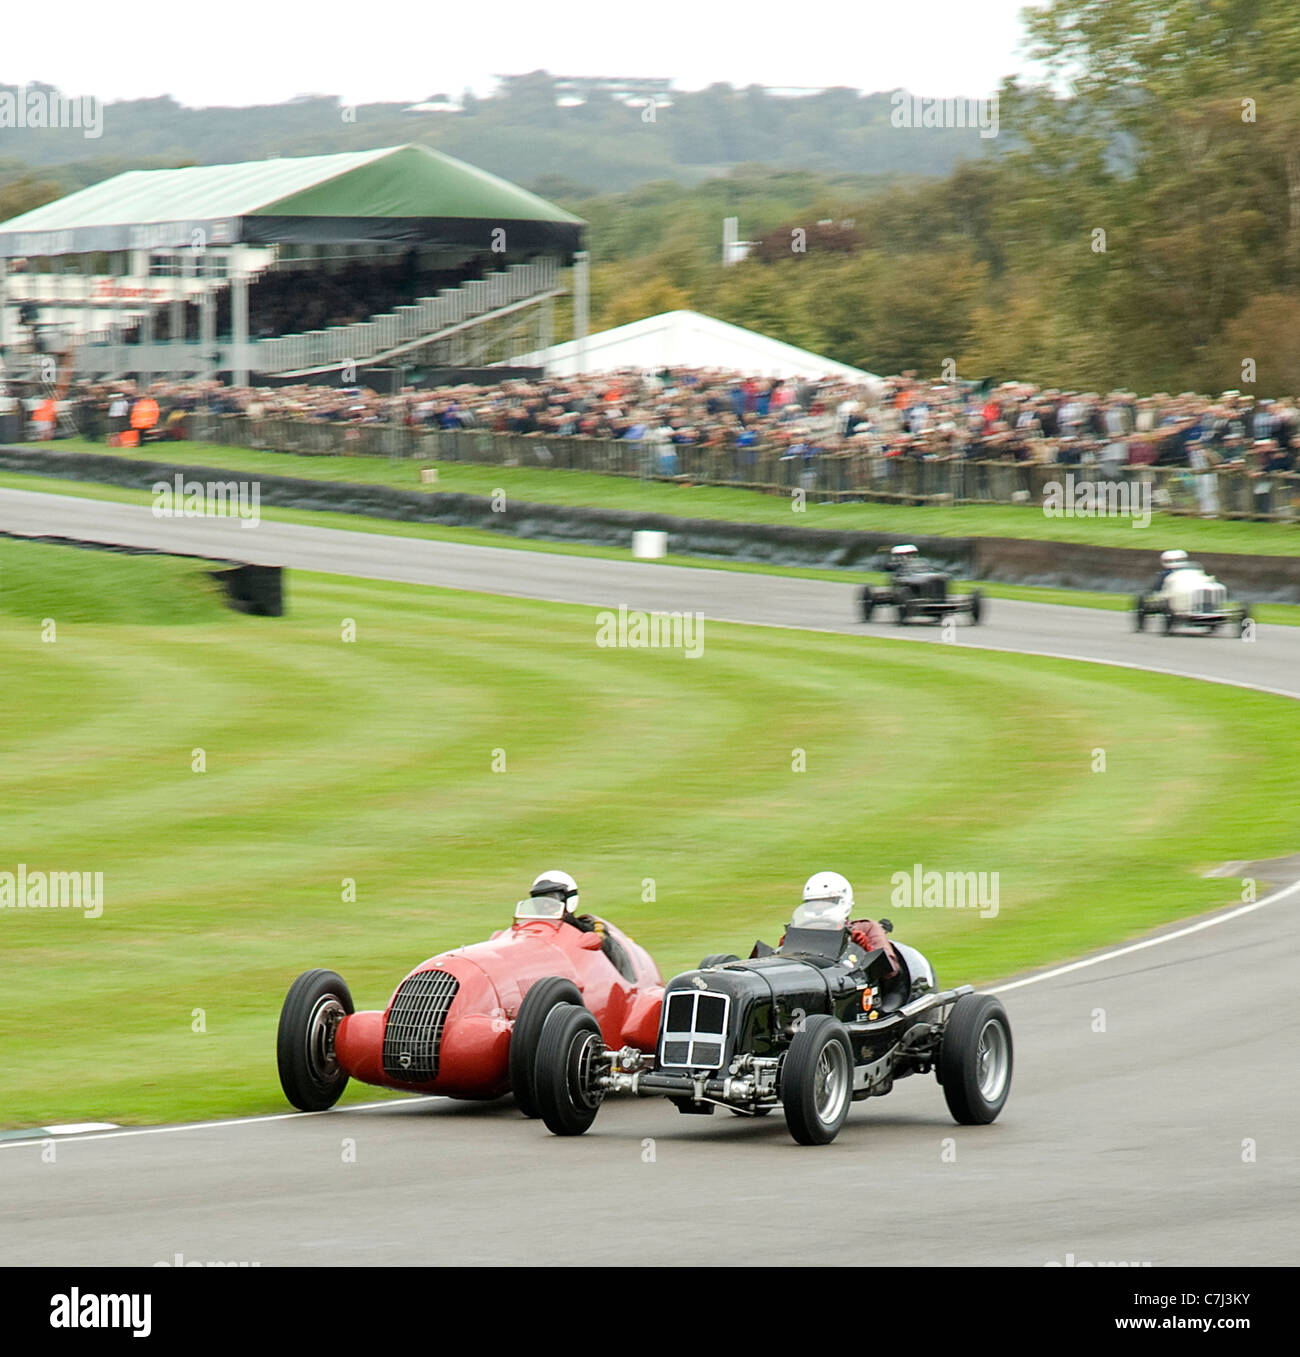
x: 830, y: 1082
x: 321, y: 1028
x: 992, y: 1060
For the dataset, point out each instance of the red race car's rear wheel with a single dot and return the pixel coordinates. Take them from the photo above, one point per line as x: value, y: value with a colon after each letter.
x: 545, y: 994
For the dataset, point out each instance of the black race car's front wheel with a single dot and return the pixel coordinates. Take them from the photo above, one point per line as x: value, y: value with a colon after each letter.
x: 544, y: 995
x: 975, y: 1059
x: 817, y: 1081
x: 867, y: 601
x: 310, y: 1073
x: 569, y: 1060
x: 976, y: 606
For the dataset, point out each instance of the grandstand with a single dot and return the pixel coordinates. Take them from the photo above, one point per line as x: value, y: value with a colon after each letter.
x: 310, y: 268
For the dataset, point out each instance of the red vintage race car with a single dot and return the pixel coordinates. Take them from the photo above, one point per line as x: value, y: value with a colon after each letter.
x: 466, y: 1023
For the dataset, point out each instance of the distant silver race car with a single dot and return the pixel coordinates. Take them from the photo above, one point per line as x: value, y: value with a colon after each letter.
x: 1189, y: 597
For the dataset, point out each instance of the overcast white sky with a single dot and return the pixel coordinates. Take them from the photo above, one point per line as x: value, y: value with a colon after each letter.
x: 245, y: 52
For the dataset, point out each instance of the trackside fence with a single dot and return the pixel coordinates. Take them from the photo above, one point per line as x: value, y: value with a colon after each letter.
x: 1229, y: 490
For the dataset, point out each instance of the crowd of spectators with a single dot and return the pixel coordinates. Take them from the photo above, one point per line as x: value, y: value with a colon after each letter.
x: 744, y: 415
x: 901, y: 416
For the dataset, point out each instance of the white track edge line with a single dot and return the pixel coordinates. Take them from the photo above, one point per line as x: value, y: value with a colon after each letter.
x: 1185, y: 931
x: 40, y: 1136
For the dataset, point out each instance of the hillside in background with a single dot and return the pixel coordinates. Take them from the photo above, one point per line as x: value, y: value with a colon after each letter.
x: 523, y: 133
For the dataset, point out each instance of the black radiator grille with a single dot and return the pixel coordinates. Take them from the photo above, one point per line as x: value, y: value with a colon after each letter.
x: 694, y: 1029
x: 413, y: 1033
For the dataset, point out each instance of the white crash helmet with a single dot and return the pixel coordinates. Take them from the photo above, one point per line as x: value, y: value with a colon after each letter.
x: 559, y: 884
x: 827, y: 902
x: 829, y: 886
x: 893, y: 551
x: 1169, y: 558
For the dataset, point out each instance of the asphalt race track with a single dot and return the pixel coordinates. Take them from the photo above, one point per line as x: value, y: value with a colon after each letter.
x: 1169, y: 1138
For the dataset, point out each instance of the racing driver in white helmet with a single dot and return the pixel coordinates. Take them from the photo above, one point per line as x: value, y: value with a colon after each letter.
x: 828, y: 898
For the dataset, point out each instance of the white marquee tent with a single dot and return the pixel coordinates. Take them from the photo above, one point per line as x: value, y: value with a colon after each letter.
x: 687, y: 339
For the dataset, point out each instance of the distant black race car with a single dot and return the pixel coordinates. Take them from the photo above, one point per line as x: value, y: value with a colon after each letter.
x: 919, y: 589
x: 811, y: 1027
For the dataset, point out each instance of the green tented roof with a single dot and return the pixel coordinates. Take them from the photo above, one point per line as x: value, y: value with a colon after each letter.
x: 414, y: 181
x: 369, y: 194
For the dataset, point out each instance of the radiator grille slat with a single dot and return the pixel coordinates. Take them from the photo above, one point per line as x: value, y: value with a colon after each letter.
x: 1209, y: 600
x: 413, y: 1033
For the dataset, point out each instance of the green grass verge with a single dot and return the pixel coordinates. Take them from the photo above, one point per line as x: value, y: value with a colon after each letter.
x: 543, y: 486
x: 74, y: 585
x: 372, y: 761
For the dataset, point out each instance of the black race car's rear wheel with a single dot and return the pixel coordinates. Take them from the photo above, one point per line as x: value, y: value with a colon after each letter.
x: 817, y: 1081
x: 976, y: 606
x: 975, y: 1059
x: 310, y: 1073
x: 544, y: 995
x: 868, y: 603
x: 569, y: 1058
x: 717, y: 959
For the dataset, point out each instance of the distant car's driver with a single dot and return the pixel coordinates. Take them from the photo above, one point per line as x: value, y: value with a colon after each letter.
x: 1169, y: 562
x: 903, y: 558
x: 828, y: 897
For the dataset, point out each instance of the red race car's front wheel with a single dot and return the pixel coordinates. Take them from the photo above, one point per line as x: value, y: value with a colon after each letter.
x: 310, y: 1073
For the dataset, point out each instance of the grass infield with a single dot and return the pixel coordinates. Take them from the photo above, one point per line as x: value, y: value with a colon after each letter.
x: 644, y: 773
